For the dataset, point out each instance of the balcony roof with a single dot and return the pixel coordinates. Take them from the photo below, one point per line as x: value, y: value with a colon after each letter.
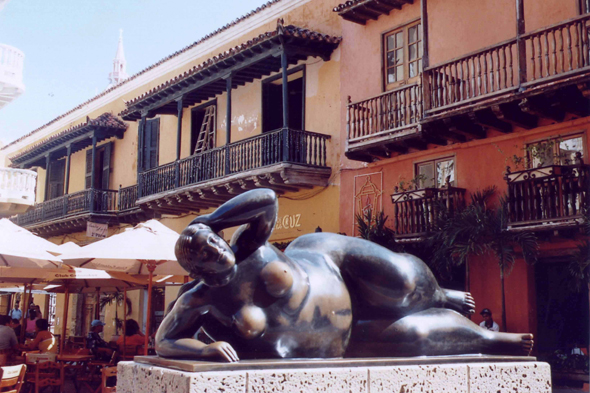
x: 79, y: 137
x: 360, y: 11
x: 251, y: 60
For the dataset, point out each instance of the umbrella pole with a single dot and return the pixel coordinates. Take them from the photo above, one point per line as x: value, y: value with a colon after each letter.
x: 65, y: 321
x: 23, y: 315
x: 97, y: 307
x: 124, y: 322
x: 151, y: 267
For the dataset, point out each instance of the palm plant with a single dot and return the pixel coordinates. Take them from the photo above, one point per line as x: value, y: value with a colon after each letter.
x: 477, y: 229
x: 117, y: 298
x: 373, y: 227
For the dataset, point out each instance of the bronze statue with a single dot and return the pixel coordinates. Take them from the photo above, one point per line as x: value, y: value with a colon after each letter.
x: 326, y: 296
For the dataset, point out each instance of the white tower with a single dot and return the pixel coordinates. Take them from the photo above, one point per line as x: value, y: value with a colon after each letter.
x: 119, y: 73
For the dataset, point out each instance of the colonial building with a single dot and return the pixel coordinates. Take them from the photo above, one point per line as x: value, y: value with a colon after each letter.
x: 254, y: 104
x: 442, y: 99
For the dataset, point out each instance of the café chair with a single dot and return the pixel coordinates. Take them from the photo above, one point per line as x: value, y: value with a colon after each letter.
x: 94, y: 370
x: 48, y: 373
x: 12, y: 378
x: 108, y: 372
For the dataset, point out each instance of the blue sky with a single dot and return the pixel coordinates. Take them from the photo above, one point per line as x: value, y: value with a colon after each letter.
x: 69, y: 46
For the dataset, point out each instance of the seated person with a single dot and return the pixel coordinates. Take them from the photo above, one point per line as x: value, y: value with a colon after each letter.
x: 133, y: 335
x: 44, y: 340
x: 16, y: 326
x: 31, y: 324
x: 8, y: 341
x: 98, y: 347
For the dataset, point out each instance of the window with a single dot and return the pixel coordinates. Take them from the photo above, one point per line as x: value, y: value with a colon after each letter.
x: 56, y: 178
x: 102, y: 167
x: 203, y: 127
x: 403, y: 55
x: 150, y: 145
x: 435, y: 173
x: 555, y: 151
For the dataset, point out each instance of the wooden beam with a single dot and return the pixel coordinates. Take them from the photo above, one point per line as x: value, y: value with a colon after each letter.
x: 512, y: 114
x: 459, y: 125
x: 538, y: 106
x: 488, y: 119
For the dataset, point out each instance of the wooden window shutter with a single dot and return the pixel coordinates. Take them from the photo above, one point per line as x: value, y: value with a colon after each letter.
x: 154, y: 143
x: 88, y: 168
x: 56, y: 178
x: 106, y: 165
x: 147, y: 132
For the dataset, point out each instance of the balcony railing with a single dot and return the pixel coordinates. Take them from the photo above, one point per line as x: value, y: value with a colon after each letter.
x: 127, y: 198
x: 17, y: 184
x: 550, y: 195
x: 547, y: 53
x: 388, y: 111
x: 538, y: 57
x: 86, y: 201
x: 416, y: 211
x: 285, y: 145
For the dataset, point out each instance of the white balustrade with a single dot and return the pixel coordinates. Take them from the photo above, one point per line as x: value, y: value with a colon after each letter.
x: 17, y: 190
x: 11, y: 73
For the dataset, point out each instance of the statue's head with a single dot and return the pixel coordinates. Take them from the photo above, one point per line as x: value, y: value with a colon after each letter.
x: 205, y: 255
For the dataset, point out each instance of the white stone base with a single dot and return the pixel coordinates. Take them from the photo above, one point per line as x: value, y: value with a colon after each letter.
x: 303, y: 376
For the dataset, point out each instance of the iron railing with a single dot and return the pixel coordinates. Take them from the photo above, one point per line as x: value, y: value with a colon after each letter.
x: 551, y: 194
x: 87, y: 201
x: 284, y: 145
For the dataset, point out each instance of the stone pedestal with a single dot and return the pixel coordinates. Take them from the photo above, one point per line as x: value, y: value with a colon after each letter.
x: 464, y: 374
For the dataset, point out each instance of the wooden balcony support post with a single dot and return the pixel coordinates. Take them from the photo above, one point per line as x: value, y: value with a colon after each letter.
x: 228, y: 88
x: 179, y: 103
x: 140, y: 143
x: 425, y: 58
x: 285, y: 74
x: 92, y: 174
x: 67, y: 182
x: 47, y: 164
x: 521, y: 43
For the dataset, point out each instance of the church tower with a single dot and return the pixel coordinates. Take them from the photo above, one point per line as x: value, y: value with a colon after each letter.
x: 119, y: 72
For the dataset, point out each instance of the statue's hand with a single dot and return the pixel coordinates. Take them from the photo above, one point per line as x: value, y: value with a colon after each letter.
x: 221, y: 349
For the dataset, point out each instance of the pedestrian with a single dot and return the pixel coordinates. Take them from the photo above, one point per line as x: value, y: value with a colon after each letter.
x: 15, y: 313
x: 31, y: 327
x: 488, y: 321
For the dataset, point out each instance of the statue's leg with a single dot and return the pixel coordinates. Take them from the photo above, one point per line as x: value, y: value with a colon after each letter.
x: 433, y: 332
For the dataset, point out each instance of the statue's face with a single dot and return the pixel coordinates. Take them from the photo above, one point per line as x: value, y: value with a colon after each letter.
x: 206, y: 255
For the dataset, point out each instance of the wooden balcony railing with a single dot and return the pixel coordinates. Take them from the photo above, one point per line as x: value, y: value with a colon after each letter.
x: 549, y: 52
x: 415, y: 212
x: 86, y: 201
x: 285, y: 145
x: 127, y: 198
x: 388, y: 111
x: 488, y: 71
x: 556, y: 194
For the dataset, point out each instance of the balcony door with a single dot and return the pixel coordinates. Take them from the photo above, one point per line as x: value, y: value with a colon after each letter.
x: 272, y: 101
x: 150, y: 147
x: 56, y: 178
x: 102, y: 167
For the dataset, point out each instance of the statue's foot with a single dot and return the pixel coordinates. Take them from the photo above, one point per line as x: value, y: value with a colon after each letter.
x: 459, y: 301
x: 513, y: 343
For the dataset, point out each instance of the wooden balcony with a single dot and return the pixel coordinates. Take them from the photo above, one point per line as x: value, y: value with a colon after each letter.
x: 71, y: 212
x: 548, y: 198
x: 415, y: 211
x: 542, y: 74
x: 284, y: 160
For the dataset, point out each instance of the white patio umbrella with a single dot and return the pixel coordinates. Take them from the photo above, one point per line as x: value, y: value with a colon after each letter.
x: 21, y: 248
x: 146, y: 247
x: 66, y: 247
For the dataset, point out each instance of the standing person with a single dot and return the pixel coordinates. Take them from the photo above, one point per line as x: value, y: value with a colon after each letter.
x: 488, y: 321
x: 99, y: 347
x: 16, y: 326
x: 15, y: 313
x: 31, y: 326
x: 8, y: 341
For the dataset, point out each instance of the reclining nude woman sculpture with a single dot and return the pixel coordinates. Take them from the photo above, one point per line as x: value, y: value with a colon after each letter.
x: 326, y: 296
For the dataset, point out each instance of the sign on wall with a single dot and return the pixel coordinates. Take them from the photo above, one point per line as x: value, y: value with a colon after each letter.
x: 95, y: 229
x: 368, y: 196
